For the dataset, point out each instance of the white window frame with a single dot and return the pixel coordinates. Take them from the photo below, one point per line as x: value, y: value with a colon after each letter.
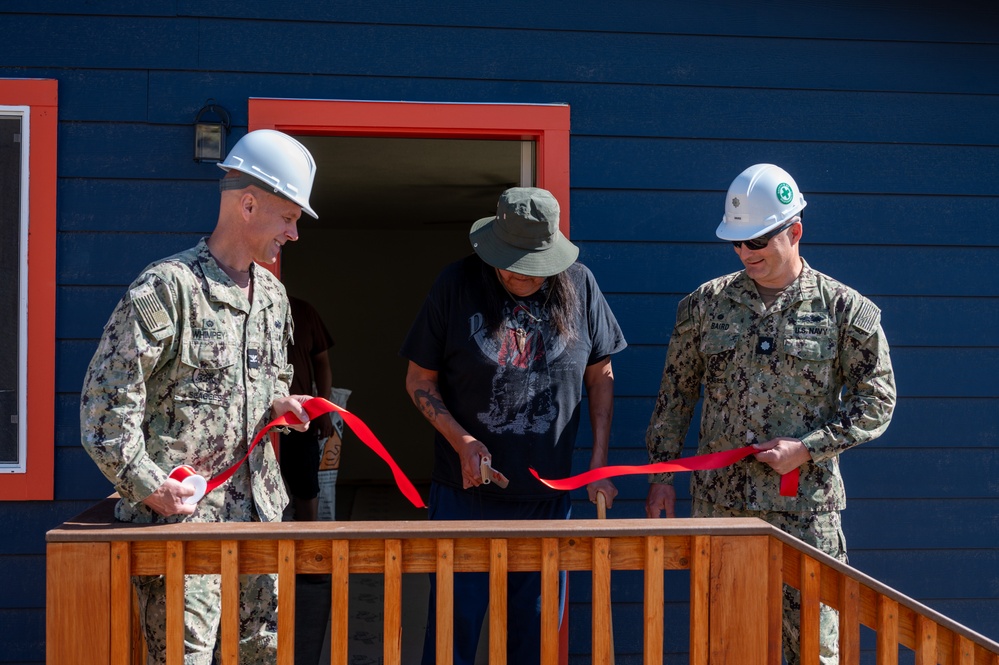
x: 21, y: 466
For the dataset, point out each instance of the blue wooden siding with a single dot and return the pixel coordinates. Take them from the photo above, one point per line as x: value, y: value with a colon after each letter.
x: 885, y: 115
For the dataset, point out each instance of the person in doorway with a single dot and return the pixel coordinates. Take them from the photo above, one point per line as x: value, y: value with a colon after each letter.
x: 498, y: 358
x: 308, y: 354
x: 191, y: 366
x: 300, y: 454
x: 791, y: 361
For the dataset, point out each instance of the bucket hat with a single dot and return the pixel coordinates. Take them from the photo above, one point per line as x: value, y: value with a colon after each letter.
x: 524, y: 236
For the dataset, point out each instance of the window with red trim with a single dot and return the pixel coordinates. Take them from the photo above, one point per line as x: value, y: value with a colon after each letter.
x: 28, y: 117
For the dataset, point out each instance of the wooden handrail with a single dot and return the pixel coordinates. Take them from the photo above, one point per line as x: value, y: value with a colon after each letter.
x: 737, y: 571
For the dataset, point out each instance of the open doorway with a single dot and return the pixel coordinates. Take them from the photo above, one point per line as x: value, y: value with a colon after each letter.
x: 392, y: 212
x: 397, y: 188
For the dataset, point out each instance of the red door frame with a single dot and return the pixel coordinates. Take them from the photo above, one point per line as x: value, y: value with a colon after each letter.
x: 545, y: 124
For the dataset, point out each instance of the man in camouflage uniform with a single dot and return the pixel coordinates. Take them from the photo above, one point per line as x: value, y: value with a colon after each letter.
x: 790, y: 361
x: 191, y: 365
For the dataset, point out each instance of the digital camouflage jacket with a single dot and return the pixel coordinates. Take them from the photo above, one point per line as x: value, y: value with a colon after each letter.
x: 185, y: 373
x: 814, y: 366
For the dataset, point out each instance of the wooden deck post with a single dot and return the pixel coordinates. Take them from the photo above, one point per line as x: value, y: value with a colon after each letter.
x: 738, y: 599
x: 78, y: 603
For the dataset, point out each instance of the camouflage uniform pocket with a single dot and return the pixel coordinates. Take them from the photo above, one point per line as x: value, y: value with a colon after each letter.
x: 811, y: 364
x: 211, y: 374
x: 718, y: 349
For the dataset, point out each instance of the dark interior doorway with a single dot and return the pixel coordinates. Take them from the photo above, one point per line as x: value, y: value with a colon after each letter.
x: 392, y: 213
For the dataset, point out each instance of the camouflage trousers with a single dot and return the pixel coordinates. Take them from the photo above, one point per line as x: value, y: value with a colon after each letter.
x: 202, y: 611
x: 821, y: 530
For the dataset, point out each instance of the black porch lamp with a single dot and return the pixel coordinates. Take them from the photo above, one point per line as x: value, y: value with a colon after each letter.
x: 209, y: 134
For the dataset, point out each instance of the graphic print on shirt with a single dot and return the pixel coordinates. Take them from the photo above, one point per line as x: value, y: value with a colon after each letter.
x: 521, y: 399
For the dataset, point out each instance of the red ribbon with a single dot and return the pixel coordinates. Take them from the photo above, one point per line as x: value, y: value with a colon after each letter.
x: 316, y: 407
x: 788, y: 481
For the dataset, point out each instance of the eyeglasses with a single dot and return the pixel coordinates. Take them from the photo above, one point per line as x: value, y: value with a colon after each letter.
x: 760, y: 242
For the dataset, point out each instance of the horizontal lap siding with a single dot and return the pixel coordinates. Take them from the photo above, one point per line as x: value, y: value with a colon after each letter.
x: 885, y: 116
x: 920, y: 21
x: 671, y: 214
x: 970, y: 423
x: 891, y: 473
x: 919, y: 372
x: 908, y: 320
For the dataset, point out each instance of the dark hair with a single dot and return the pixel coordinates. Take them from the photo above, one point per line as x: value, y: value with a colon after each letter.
x: 562, y: 303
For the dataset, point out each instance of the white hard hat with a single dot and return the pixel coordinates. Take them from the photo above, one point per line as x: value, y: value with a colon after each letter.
x: 278, y: 161
x: 760, y: 199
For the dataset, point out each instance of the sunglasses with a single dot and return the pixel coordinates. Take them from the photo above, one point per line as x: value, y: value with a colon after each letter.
x: 760, y: 242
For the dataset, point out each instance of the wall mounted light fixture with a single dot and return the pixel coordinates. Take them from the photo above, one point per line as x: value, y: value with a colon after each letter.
x: 210, y: 129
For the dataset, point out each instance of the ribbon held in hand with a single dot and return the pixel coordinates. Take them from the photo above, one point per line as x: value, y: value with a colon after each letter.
x: 316, y: 407
x: 788, y: 481
x: 186, y: 475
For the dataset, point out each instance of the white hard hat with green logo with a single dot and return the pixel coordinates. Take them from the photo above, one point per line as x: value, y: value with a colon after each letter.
x: 759, y: 200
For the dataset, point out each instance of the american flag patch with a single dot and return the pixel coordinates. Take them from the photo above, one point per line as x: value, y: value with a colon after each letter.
x: 150, y: 310
x: 867, y: 317
x: 684, y: 310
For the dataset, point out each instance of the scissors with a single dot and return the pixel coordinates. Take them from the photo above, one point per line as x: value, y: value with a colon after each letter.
x: 491, y: 475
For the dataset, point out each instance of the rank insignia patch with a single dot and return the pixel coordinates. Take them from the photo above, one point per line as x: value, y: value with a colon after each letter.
x: 765, y: 345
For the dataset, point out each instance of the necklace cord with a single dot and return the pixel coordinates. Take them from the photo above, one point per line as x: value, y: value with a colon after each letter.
x: 517, y: 301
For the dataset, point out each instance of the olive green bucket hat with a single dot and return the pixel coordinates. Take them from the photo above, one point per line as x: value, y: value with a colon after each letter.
x: 524, y: 236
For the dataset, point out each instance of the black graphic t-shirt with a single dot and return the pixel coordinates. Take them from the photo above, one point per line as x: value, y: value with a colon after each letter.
x: 517, y: 389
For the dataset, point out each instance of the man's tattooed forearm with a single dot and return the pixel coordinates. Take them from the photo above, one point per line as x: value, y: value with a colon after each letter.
x: 430, y: 404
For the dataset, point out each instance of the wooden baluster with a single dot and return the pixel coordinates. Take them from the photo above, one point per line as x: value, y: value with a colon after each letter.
x: 549, y: 601
x: 849, y: 621
x: 601, y: 634
x: 286, y: 602
x: 445, y: 601
x: 140, y: 654
x: 654, y: 600
x: 887, y: 647
x: 339, y: 602
x: 811, y: 583
x: 498, y: 569
x: 392, y: 612
x: 175, y: 603
x: 775, y: 603
x: 700, y: 585
x: 603, y: 611
x: 229, y: 568
x: 926, y: 641
x: 964, y: 651
x: 121, y: 604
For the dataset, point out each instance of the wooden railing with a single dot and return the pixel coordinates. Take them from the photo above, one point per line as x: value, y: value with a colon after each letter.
x: 737, y: 570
